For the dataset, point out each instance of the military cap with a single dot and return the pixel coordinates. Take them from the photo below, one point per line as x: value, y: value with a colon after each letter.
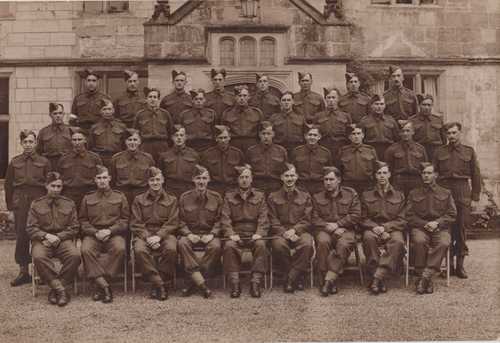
x: 220, y: 129
x: 54, y: 105
x: 302, y: 75
x: 394, y: 68
x: 100, y: 169
x: 148, y: 90
x: 199, y: 170
x: 152, y: 172
x: 449, y: 125
x: 176, y: 73
x: 215, y: 72
x: 177, y: 128
x: 130, y: 132
x: 308, y: 127
x: 265, y: 125
x: 194, y: 92
x: 327, y: 91
x: 351, y: 127
x: 424, y: 165
x: 259, y: 76
x: 331, y: 169
x: 349, y: 76
x: 286, y: 93
x: 376, y: 97
x: 104, y: 103
x: 25, y: 133
x: 127, y: 74
x: 287, y: 167
x: 405, y: 123
x: 422, y: 97
x: 76, y: 129
x: 239, y: 89
x: 379, y: 165
x: 51, y: 177
x: 88, y: 72
x: 241, y: 169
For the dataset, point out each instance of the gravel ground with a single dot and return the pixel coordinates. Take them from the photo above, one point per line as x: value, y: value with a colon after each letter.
x: 467, y: 310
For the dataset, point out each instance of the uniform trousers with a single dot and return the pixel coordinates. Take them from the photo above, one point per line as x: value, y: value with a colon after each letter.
x: 429, y: 248
x: 66, y: 251
x: 391, y: 259
x: 233, y: 253
x: 207, y: 263
x: 333, y: 251
x: 282, y: 251
x: 103, y: 258
x: 166, y: 256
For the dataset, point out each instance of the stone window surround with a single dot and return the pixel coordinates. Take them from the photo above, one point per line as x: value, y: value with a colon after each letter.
x: 414, y: 4
x: 106, y: 9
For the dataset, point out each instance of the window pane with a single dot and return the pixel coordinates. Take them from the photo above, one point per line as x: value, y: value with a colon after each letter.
x: 4, y: 148
x: 409, y: 81
x: 247, y: 52
x: 117, y: 6
x: 4, y: 96
x: 381, y: 2
x: 93, y: 6
x: 267, y: 52
x: 408, y: 2
x: 427, y: 2
x: 227, y: 51
x: 429, y: 85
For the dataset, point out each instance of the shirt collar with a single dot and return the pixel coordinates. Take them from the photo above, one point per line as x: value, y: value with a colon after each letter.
x: 155, y: 196
x: 380, y: 192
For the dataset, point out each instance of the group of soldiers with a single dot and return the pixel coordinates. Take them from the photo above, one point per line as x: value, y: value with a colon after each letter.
x: 224, y: 173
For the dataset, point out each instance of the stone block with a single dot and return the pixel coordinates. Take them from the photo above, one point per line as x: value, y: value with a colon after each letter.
x: 64, y: 94
x: 64, y: 25
x: 64, y: 38
x: 61, y: 71
x: 21, y: 82
x: 61, y: 82
x: 494, y: 20
x: 488, y: 35
x: 44, y: 71
x: 447, y: 35
x: 45, y: 94
x: 463, y: 4
x: 25, y: 107
x: 130, y: 40
x: 45, y: 26
x: 59, y: 51
x: 427, y: 18
x: 39, y: 82
x: 22, y: 26
x: 467, y: 35
x: 30, y: 6
x: 15, y: 39
x: 25, y: 94
x: 37, y: 39
x: 477, y: 20
x: 16, y: 52
x: 449, y: 49
x: 25, y: 72
x: 493, y: 6
x: 37, y: 52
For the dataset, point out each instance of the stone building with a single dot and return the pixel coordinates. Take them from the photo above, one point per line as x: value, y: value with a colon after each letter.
x: 450, y: 48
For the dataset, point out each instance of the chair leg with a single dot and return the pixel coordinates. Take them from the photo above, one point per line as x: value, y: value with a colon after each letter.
x: 448, y: 267
x: 33, y: 279
x: 358, y: 263
x: 407, y: 262
x: 125, y: 276
x: 132, y: 265
x: 271, y: 270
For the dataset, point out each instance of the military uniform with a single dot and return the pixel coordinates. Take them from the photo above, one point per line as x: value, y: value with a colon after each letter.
x: 155, y: 214
x: 155, y: 127
x: 332, y: 126
x: 341, y: 207
x: 357, y: 164
x: 199, y: 124
x: 243, y: 121
x: 267, y: 102
x: 54, y: 141
x: 400, y: 103
x: 267, y: 162
x: 220, y: 164
x: 309, y: 161
x: 24, y: 182
x: 129, y: 172
x: 176, y: 102
x: 177, y: 165
x: 380, y: 132
x: 87, y: 108
x: 127, y: 106
x: 428, y: 132
x: 404, y: 159
x: 356, y: 104
x: 106, y: 139
x: 288, y: 128
x: 308, y: 104
x: 219, y: 102
x: 456, y: 164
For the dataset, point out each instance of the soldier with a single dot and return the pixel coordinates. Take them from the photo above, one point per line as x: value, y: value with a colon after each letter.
x: 354, y: 101
x: 263, y: 99
x: 199, y: 122
x: 131, y: 101
x: 104, y: 217
x: 428, y: 126
x: 78, y: 168
x: 179, y: 100
x: 219, y: 100
x: 333, y: 123
x: 86, y: 106
x: 199, y: 213
x: 357, y: 161
x: 245, y: 223
x: 154, y: 223
x: 54, y: 140
x: 383, y: 222
x: 307, y: 102
x: 401, y: 101
x: 336, y: 212
x: 456, y: 164
x: 24, y: 182
x: 431, y: 212
x: 404, y: 158
x: 154, y: 123
x: 267, y: 160
x: 52, y: 226
x: 106, y: 136
x: 290, y: 215
x: 242, y: 120
x: 221, y: 159
x: 177, y: 163
x: 310, y: 159
x: 288, y: 124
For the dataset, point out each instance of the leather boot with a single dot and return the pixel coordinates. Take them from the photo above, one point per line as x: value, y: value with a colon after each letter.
x: 382, y: 287
x: 97, y: 296
x: 421, y: 285
x: 62, y: 297
x: 430, y: 287
x: 325, y: 289
x: 189, y: 289
x: 255, y: 289
x: 289, y: 285
x: 52, y: 297
x: 235, y: 289
x: 21, y: 279
x: 205, y: 291
x: 375, y: 286
x: 107, y: 295
x: 460, y: 271
x: 162, y: 293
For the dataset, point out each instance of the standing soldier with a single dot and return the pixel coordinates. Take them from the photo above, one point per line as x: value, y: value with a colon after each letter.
x: 309, y: 160
x: 179, y: 100
x: 78, y: 168
x: 290, y: 215
x: 129, y: 167
x: 383, y: 222
x: 104, y: 217
x: 221, y: 159
x: 154, y: 223
x: 106, y: 136
x: 267, y: 160
x: 54, y: 140
x: 381, y: 130
x: 401, y: 101
x: 307, y: 102
x: 155, y: 124
x: 336, y: 212
x: 199, y: 122
x: 24, y: 182
x: 333, y: 123
x: 404, y: 159
x: 177, y: 163
x: 354, y: 101
x: 288, y: 124
x: 263, y: 99
x: 131, y: 101
x: 428, y: 126
x: 219, y: 100
x: 52, y: 226
x: 431, y: 212
x: 245, y: 223
x: 456, y: 164
x: 86, y: 105
x: 199, y: 213
x: 357, y: 161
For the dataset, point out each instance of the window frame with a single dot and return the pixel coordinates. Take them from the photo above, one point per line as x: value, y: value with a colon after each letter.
x: 261, y: 44
x: 220, y: 41
x: 256, y: 52
x: 105, y: 7
x: 414, y: 3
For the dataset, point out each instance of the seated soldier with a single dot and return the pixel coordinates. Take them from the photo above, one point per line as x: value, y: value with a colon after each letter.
x: 199, y: 211
x: 155, y: 220
x: 430, y: 213
x: 104, y: 216
x: 290, y: 215
x: 382, y: 218
x: 245, y: 222
x: 336, y: 212
x: 52, y: 226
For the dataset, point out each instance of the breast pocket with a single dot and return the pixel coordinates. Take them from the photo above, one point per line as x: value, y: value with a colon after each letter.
x: 89, y: 170
x: 38, y: 171
x: 114, y: 207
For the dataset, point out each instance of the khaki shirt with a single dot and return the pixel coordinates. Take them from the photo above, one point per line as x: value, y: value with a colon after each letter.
x: 243, y: 121
x: 379, y: 209
x: 405, y: 157
x: 291, y: 210
x: 356, y: 104
x: 130, y: 168
x: 267, y: 161
x: 310, y: 160
x: 200, y: 214
x: 107, y: 136
x: 221, y: 163
x: 78, y: 169
x: 308, y: 104
x: 342, y: 207
x: 380, y: 129
x: 333, y: 124
x: 178, y: 163
x: 267, y: 102
x: 127, y: 106
x: 288, y: 128
x: 54, y: 140
x: 154, y: 124
x: 357, y: 163
x: 198, y: 122
x: 401, y: 103
x: 176, y: 102
x: 87, y: 106
x: 219, y: 101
